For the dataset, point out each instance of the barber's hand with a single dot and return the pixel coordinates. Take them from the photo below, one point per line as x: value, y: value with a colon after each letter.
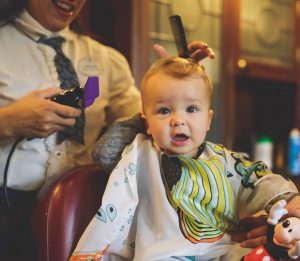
x: 111, y: 144
x: 198, y: 50
x: 252, y: 232
x: 35, y: 116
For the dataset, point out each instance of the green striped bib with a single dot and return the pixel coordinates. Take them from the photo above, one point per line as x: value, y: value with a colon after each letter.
x: 201, y: 193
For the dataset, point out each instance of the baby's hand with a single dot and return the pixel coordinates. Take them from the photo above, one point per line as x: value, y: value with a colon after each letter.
x: 293, y: 207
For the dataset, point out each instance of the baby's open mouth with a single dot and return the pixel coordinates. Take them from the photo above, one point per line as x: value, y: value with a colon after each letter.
x: 180, y: 137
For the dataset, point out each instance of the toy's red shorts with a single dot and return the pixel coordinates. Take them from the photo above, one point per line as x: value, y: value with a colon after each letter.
x: 258, y: 254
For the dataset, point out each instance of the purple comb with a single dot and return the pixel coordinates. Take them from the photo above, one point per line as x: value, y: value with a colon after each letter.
x: 90, y: 91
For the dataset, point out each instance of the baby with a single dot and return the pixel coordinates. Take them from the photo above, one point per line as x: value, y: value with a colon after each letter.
x: 173, y: 195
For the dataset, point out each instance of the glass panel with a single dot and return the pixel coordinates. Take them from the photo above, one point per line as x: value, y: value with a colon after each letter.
x: 267, y: 31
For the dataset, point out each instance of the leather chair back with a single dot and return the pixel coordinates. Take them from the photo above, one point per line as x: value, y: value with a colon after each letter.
x: 65, y: 206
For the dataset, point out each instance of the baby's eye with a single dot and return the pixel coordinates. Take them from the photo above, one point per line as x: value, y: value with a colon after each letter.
x: 192, y: 109
x: 163, y: 110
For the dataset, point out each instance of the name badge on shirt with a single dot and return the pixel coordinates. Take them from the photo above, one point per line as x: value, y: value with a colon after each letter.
x: 88, y: 67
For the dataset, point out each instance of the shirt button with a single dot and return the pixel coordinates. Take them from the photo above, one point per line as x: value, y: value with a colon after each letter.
x: 58, y: 154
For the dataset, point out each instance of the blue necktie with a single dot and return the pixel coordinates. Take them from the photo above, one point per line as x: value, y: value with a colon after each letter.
x: 68, y: 79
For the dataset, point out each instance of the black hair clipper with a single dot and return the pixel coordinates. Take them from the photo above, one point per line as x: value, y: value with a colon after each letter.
x: 179, y: 36
x: 81, y: 97
x: 70, y: 97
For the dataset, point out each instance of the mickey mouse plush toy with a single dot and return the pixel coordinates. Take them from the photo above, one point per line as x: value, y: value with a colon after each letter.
x: 283, y: 237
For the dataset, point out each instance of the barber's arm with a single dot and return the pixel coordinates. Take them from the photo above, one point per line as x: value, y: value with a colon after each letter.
x: 35, y: 116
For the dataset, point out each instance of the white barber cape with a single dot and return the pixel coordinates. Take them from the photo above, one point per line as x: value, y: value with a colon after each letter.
x: 137, y: 222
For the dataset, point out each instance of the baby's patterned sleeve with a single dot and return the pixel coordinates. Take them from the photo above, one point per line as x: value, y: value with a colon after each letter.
x: 257, y: 185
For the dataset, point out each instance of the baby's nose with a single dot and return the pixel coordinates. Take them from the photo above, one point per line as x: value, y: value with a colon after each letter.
x: 177, y: 121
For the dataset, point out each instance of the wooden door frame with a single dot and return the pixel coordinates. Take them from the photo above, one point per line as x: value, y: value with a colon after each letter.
x: 230, y: 50
x: 230, y: 71
x: 140, y: 38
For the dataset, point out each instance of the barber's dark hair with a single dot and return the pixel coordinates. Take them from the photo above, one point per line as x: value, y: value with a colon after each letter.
x: 9, y: 9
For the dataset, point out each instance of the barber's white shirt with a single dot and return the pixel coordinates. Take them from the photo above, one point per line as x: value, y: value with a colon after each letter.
x: 26, y: 65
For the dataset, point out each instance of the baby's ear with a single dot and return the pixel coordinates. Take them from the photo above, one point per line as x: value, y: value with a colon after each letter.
x: 143, y: 116
x: 210, y: 116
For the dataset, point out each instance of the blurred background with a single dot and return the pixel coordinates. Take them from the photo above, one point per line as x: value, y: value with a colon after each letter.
x: 256, y: 72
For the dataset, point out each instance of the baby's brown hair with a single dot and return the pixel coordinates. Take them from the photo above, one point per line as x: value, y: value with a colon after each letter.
x: 178, y: 68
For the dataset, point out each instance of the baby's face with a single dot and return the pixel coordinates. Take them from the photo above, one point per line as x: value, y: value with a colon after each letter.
x: 177, y: 112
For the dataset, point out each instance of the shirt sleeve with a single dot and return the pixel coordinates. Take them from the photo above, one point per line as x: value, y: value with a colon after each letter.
x: 257, y: 185
x: 124, y: 96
